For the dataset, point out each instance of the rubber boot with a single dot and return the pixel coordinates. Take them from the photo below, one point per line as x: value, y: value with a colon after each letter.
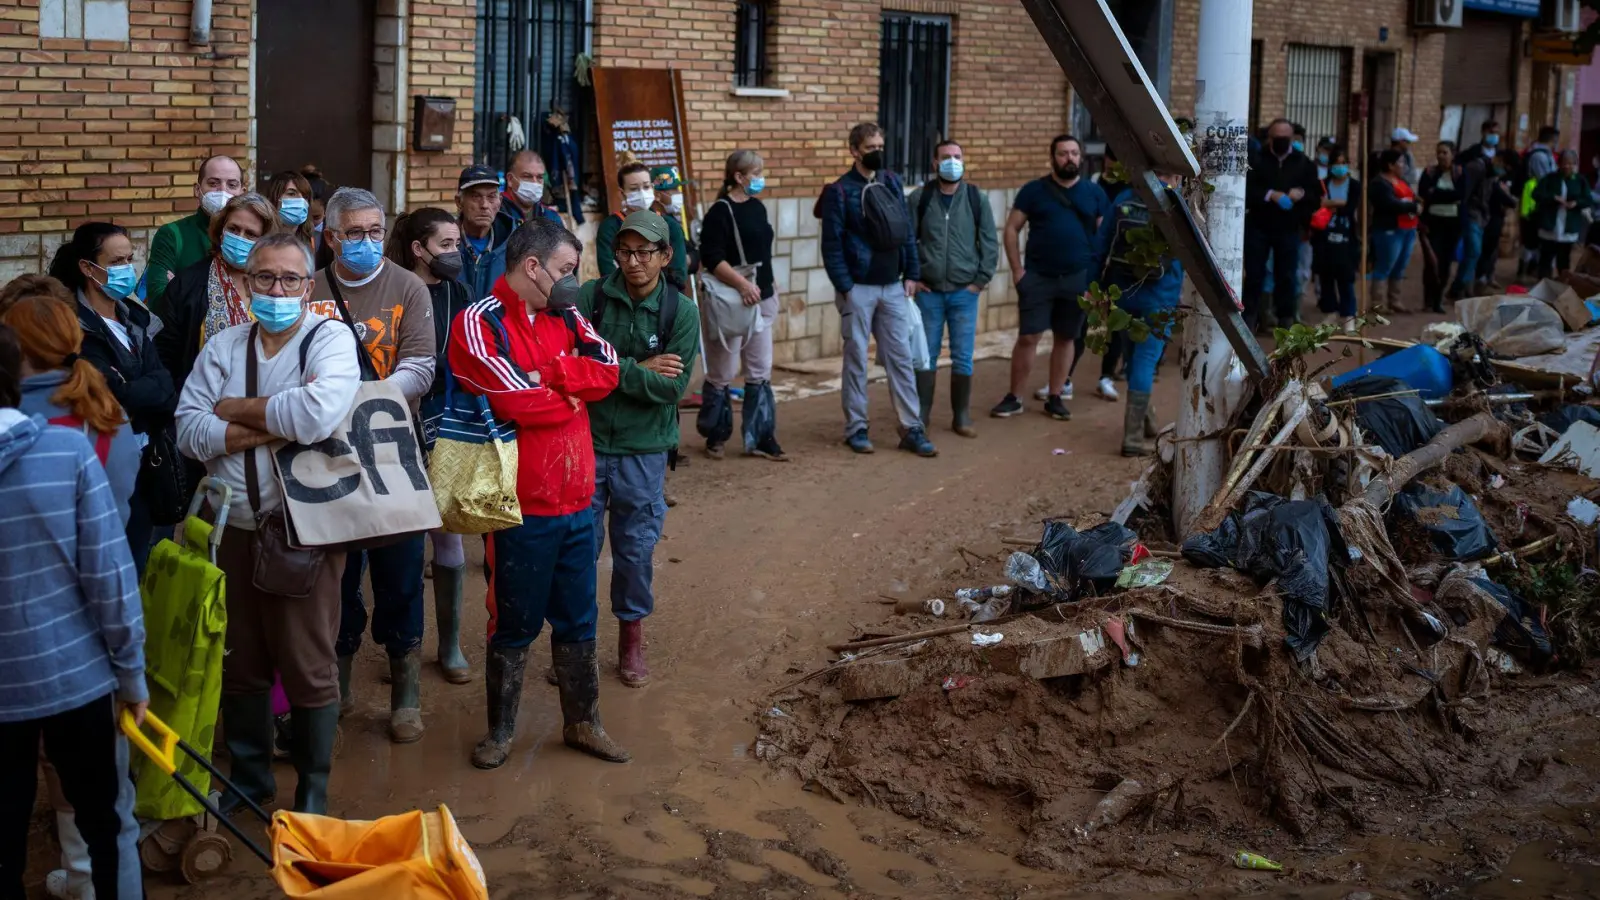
x: 405, y: 698
x: 960, y: 404
x: 631, y: 664
x: 1151, y: 428
x: 578, y: 674
x: 1394, y: 297
x: 315, y: 730
x: 247, y: 732
x: 1133, y: 424
x: 447, y: 588
x: 502, y: 676
x: 347, y: 700
x: 925, y: 391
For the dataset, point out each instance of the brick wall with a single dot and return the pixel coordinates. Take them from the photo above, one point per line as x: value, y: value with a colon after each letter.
x: 440, y: 36
x: 112, y: 130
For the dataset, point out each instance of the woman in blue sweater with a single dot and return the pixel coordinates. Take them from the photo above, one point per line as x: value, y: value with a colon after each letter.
x: 71, y: 640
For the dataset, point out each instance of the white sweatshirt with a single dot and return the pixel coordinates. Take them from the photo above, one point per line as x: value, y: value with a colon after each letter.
x: 297, y: 410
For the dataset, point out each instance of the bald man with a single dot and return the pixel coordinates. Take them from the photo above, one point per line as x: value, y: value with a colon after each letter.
x: 185, y: 242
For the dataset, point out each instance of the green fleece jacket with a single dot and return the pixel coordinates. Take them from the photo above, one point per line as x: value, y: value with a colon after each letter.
x: 605, y: 249
x: 641, y: 415
x: 952, y: 252
x: 176, y: 246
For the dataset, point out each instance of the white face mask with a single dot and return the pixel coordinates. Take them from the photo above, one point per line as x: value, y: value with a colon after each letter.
x: 640, y: 199
x: 213, y: 201
x: 675, y: 203
x: 530, y: 192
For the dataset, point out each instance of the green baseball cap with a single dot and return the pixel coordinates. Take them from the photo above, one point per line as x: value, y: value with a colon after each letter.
x: 647, y: 225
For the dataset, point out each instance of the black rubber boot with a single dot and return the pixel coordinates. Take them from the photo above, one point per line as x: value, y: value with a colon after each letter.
x: 960, y: 405
x: 926, y: 380
x: 347, y: 699
x: 315, y: 730
x: 247, y: 732
x: 502, y: 676
x: 1133, y: 424
x: 447, y: 588
x: 578, y: 677
x: 405, y: 698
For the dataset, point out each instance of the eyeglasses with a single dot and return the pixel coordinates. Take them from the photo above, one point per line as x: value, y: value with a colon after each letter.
x: 262, y: 282
x: 356, y: 234
x: 636, y: 255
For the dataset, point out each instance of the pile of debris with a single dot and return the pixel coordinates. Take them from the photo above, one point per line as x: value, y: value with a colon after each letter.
x: 1337, y: 633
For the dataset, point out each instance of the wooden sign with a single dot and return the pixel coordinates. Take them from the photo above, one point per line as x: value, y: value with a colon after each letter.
x: 1561, y: 49
x: 641, y: 112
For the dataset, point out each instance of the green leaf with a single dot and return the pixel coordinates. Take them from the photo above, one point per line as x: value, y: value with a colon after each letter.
x: 1115, y: 293
x: 1119, y: 319
x: 1138, y: 331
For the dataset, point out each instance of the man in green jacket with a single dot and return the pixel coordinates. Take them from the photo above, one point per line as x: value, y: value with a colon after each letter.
x: 179, y: 245
x: 656, y: 333
x: 959, y: 249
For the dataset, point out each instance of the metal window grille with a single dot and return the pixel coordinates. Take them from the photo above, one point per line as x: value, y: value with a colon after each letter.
x: 750, y: 44
x: 1255, y: 86
x: 1318, y: 90
x: 913, y: 90
x: 526, y: 50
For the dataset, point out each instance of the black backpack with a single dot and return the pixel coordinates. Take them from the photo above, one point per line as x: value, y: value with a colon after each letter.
x: 884, y: 223
x: 666, y: 318
x: 1132, y: 214
x: 974, y: 197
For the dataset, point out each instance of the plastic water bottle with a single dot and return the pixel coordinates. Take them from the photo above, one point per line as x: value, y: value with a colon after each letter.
x: 1024, y: 571
x: 981, y: 594
x: 992, y: 610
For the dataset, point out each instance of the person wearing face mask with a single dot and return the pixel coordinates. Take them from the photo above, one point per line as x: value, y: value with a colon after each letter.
x: 524, y: 195
x: 1441, y: 190
x: 392, y: 313
x: 639, y: 193
x: 427, y: 241
x: 179, y: 245
x: 1393, y: 234
x: 959, y: 249
x: 539, y: 363
x: 289, y: 375
x: 1281, y: 194
x: 97, y: 265
x: 1325, y: 148
x: 290, y: 194
x: 1336, y: 244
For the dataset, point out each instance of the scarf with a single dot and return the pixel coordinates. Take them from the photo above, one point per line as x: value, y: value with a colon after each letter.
x: 224, y: 307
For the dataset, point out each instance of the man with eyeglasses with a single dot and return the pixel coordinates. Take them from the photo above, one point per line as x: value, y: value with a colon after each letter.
x: 656, y: 333
x: 392, y: 314
x: 179, y: 245
x: 306, y: 377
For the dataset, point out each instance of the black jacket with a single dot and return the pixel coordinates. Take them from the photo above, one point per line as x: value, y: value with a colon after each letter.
x: 1431, y: 194
x: 1385, y: 206
x: 184, y: 313
x: 136, y: 376
x: 1268, y: 173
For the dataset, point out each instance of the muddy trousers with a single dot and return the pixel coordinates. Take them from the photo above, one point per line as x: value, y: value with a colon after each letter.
x: 396, y: 598
x: 881, y: 311
x: 541, y: 571
x: 91, y: 757
x: 632, y: 490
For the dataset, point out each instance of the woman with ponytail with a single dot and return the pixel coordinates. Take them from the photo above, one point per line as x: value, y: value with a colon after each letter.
x: 118, y: 339
x: 64, y: 388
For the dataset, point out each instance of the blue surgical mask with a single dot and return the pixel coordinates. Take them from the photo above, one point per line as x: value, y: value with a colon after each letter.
x: 276, y: 314
x: 1339, y: 171
x: 120, y: 280
x: 293, y: 210
x: 757, y: 185
x: 950, y: 168
x: 1491, y: 140
x: 236, y: 249
x: 362, y: 257
x: 1322, y: 158
x: 1299, y: 145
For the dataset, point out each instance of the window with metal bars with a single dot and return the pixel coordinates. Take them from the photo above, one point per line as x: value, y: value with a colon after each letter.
x: 750, y: 44
x: 913, y: 90
x: 1255, y: 86
x: 526, y: 51
x: 1318, y: 90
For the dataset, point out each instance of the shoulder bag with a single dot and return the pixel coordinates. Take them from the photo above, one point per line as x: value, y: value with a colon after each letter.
x: 726, y: 314
x: 281, y: 567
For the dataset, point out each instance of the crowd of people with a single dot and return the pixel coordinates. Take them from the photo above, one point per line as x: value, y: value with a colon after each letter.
x: 260, y: 315
x: 1304, y: 219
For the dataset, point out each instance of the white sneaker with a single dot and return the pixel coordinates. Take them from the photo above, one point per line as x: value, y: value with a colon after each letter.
x: 1107, y: 390
x: 1042, y: 393
x: 1350, y: 325
x: 1066, y: 392
x: 55, y: 884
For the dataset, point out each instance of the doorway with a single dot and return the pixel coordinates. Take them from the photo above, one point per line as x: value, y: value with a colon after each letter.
x: 314, y: 86
x: 1379, y: 82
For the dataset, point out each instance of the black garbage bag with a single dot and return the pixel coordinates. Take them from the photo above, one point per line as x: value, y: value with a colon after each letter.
x: 1563, y: 417
x: 1520, y: 631
x: 1398, y: 424
x: 1451, y: 519
x: 1086, y: 562
x: 1290, y: 540
x: 715, y: 419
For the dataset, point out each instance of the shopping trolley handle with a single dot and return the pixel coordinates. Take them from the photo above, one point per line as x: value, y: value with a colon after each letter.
x: 165, y: 756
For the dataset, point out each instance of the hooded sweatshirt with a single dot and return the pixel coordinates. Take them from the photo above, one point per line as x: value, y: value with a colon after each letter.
x: 71, y: 622
x: 118, y: 452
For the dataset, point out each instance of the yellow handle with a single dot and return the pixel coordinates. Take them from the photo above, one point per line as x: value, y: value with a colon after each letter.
x: 164, y: 756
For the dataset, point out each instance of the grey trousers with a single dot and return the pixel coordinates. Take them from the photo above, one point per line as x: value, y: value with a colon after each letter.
x: 868, y: 311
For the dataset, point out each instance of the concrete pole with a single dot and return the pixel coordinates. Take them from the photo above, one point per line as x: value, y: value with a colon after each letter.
x: 1213, y: 379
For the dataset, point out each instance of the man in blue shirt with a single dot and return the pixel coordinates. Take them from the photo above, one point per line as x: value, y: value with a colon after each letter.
x: 1062, y: 212
x: 483, y: 249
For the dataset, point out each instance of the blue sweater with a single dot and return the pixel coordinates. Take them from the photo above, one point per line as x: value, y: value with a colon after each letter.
x: 71, y: 623
x: 122, y: 457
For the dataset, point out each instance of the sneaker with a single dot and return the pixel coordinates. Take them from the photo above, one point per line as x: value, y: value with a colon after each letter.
x: 1066, y: 391
x: 767, y: 448
x: 1350, y: 325
x: 713, y: 451
x: 1006, y: 408
x: 1056, y: 409
x: 917, y: 442
x: 1043, y: 393
x: 1107, y: 390
x: 859, y: 442
x: 55, y: 884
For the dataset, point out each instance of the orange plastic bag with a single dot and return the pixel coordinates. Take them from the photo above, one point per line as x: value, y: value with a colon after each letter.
x: 412, y: 856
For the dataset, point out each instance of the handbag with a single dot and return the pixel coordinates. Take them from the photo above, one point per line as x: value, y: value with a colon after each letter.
x: 281, y: 567
x: 726, y: 314
x: 162, y: 481
x: 473, y: 467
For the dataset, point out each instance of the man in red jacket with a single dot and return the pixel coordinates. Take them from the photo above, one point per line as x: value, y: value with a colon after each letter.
x: 539, y: 363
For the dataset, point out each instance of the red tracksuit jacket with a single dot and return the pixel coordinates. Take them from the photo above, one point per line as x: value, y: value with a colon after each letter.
x: 557, y: 365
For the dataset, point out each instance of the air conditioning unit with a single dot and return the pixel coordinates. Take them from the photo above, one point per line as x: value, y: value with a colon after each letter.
x: 1561, y: 15
x: 1438, y: 13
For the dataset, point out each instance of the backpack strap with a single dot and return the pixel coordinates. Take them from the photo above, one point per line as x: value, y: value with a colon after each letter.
x: 369, y: 367
x: 925, y: 201
x: 1062, y: 197
x: 305, y: 346
x: 974, y: 198
x: 102, y: 440
x: 667, y: 317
